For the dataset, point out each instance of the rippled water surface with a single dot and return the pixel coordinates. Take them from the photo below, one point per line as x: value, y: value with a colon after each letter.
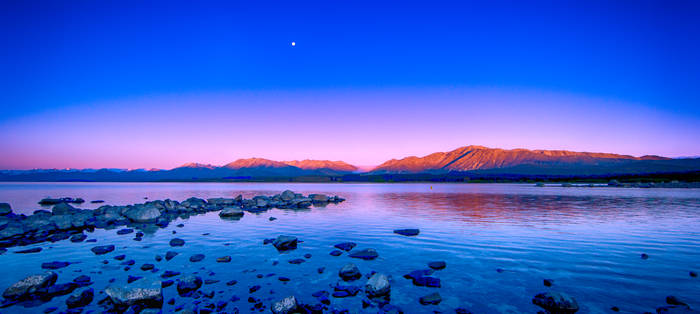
x: 588, y: 240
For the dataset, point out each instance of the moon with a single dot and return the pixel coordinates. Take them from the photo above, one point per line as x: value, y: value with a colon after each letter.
x: 294, y: 44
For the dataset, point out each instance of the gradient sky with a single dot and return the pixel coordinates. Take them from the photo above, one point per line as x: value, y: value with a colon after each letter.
x: 128, y: 84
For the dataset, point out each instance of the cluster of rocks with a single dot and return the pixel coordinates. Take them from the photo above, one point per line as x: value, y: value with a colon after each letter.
x: 65, y: 221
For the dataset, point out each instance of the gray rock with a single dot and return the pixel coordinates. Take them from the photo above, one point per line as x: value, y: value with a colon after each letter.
x: 145, y: 293
x: 188, y: 284
x: 63, y: 209
x: 231, y: 212
x: 287, y: 196
x: 261, y: 201
x: 29, y: 285
x: 285, y: 306
x: 366, y: 254
x: 377, y: 285
x: 433, y: 298
x: 318, y: 198
x: 407, y: 232
x: 12, y: 229
x: 81, y: 299
x: 5, y: 209
x: 349, y: 272
x: 555, y: 302
x: 143, y: 214
x: 62, y: 222
x: 285, y: 243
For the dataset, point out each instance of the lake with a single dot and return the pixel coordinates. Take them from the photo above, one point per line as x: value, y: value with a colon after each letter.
x: 499, y: 241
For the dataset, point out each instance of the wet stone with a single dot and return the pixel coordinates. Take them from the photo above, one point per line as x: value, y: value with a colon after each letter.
x: 346, y: 246
x: 102, y: 249
x: 78, y: 238
x: 188, y: 284
x: 169, y: 255
x: 336, y: 253
x: 366, y: 254
x: 223, y: 259
x: 349, y: 272
x: 196, y: 258
x: 407, y: 232
x: 555, y: 302
x: 285, y: 243
x: 297, y: 261
x: 120, y: 257
x: 232, y: 282
x: 54, y: 265
x: 177, y: 242
x: 168, y: 274
x: 437, y: 265
x: 131, y: 279
x: 146, y: 267
x: 433, y: 298
x: 125, y: 231
x: 80, y: 300
x: 27, y: 251
x: 548, y: 282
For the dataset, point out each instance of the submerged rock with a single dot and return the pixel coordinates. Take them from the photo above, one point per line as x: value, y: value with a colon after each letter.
x: 336, y: 253
x: 188, y: 284
x: 177, y: 242
x: 366, y: 254
x: 102, y: 249
x: 285, y: 306
x: 169, y: 255
x: 437, y: 265
x: 346, y: 246
x: 349, y: 272
x: 407, y: 232
x: 433, y: 298
x: 377, y: 285
x: 78, y: 238
x: 125, y: 231
x: 144, y: 293
x: 54, y: 265
x: 25, y: 288
x: 196, y: 258
x: 27, y: 251
x: 223, y: 259
x: 555, y: 302
x: 82, y: 299
x: 285, y: 243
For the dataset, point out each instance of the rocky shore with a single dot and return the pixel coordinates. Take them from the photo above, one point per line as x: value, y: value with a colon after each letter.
x: 67, y: 222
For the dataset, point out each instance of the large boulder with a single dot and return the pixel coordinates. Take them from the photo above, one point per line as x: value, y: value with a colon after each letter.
x: 377, y: 285
x: 5, y: 209
x: 63, y: 209
x: 188, y: 284
x: 25, y: 288
x: 556, y: 302
x: 285, y: 306
x: 285, y: 243
x: 349, y: 272
x: 145, y: 293
x: 287, y: 195
x: 231, y: 212
x: 261, y: 201
x: 143, y: 214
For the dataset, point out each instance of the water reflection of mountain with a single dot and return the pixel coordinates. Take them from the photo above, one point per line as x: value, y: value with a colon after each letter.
x: 532, y: 208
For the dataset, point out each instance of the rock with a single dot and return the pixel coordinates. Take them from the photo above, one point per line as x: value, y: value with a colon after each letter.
x: 125, y: 231
x: 349, y: 272
x: 168, y: 274
x: 169, y: 255
x: 272, y: 219
x: 63, y: 209
x: 131, y: 279
x: 336, y: 253
x: 59, y: 289
x: 346, y: 246
x: 253, y: 288
x: 166, y: 283
x: 102, y: 249
x: 24, y: 288
x: 297, y: 261
x: 285, y: 306
x: 318, y: 198
x: 407, y: 232
x: 433, y: 298
x: 146, y: 267
x: 693, y: 274
x: 82, y: 280
x: 437, y: 265
x: 54, y: 265
x: 366, y: 254
x: 548, y: 282
x: 673, y: 300
x: 177, y: 242
x: 555, y: 302
x: 287, y: 195
x: 143, y: 293
x: 377, y: 285
x: 342, y: 291
x: 422, y: 278
x: 196, y: 258
x: 120, y: 257
x: 62, y: 222
x: 675, y: 309
x: 5, y: 209
x: 285, y: 243
x: 82, y: 299
x: 27, y: 251
x: 232, y: 282
x: 223, y: 259
x: 231, y: 212
x: 283, y: 279
x: 644, y: 256
x: 188, y: 285
x: 78, y: 238
x: 461, y: 310
x: 142, y: 214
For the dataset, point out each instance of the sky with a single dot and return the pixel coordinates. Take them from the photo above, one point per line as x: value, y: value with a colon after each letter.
x: 133, y: 84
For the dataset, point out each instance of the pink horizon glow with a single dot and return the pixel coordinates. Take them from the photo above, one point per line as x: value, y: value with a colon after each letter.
x: 359, y: 127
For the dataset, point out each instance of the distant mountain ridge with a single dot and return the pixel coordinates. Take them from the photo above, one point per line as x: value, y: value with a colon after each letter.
x: 469, y: 158
x: 464, y: 161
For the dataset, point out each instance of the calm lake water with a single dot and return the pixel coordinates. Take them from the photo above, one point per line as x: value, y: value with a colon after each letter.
x: 588, y: 240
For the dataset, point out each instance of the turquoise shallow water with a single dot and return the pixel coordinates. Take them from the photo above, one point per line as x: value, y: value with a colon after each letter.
x: 588, y: 240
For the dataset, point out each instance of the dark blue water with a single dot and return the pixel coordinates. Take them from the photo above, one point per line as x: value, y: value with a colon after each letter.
x: 588, y: 240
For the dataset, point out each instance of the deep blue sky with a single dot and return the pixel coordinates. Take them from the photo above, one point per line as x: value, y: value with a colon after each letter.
x: 63, y: 54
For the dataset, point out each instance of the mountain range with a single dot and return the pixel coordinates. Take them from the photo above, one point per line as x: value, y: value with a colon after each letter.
x: 466, y: 160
